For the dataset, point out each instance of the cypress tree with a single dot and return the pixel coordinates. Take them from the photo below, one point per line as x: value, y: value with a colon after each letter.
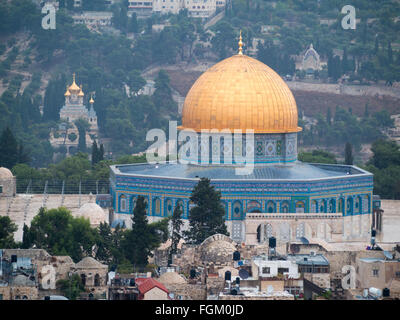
x: 348, y: 154
x: 101, y: 153
x: 329, y: 116
x: 9, y: 150
x: 176, y: 224
x: 138, y: 241
x: 207, y: 217
x: 95, y: 153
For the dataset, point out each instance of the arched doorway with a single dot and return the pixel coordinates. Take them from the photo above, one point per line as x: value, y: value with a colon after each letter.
x: 83, y: 279
x: 97, y: 280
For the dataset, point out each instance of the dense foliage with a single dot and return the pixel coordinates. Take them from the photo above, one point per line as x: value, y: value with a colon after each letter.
x: 207, y: 217
x: 7, y: 229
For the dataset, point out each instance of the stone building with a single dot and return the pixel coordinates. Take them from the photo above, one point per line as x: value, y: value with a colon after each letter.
x: 92, y: 273
x: 7, y: 183
x: 377, y: 272
x: 29, y: 274
x: 311, y: 60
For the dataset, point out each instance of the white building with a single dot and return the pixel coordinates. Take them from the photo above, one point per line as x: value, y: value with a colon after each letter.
x: 196, y: 8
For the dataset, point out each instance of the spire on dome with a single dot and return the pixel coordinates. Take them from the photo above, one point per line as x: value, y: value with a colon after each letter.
x: 240, y: 43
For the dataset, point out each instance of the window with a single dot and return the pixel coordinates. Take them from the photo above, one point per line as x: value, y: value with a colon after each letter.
x: 123, y: 203
x: 283, y: 270
x: 375, y: 272
x: 266, y: 270
x: 1, y: 189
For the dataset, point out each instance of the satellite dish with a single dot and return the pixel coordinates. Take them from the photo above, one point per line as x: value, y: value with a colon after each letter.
x: 294, y: 248
x: 243, y: 273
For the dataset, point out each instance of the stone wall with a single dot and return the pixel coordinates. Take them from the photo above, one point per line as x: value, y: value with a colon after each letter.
x: 19, y: 293
x: 188, y: 291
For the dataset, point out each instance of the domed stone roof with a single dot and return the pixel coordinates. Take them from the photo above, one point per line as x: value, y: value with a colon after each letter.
x: 171, y: 278
x: 93, y: 212
x: 5, y: 174
x: 240, y: 93
x: 89, y: 262
x: 217, y: 249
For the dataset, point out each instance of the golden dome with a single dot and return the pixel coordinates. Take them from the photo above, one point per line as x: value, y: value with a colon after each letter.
x: 81, y: 94
x: 67, y: 94
x: 74, y: 87
x: 240, y: 93
x: 91, y: 100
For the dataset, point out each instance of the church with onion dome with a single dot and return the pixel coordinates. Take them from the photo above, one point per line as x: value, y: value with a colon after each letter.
x: 280, y: 196
x: 74, y: 109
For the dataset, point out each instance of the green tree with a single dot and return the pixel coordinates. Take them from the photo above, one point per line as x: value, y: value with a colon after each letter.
x: 11, y: 152
x: 176, y: 224
x: 82, y: 126
x: 95, y: 153
x: 138, y: 242
x: 59, y: 233
x: 348, y: 154
x: 72, y: 287
x: 206, y: 218
x: 317, y: 156
x: 7, y: 229
x: 385, y: 153
x: 135, y: 81
x: 108, y: 245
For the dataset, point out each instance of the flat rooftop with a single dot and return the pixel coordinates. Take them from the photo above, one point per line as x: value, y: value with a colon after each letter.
x: 308, y: 259
x: 295, y: 171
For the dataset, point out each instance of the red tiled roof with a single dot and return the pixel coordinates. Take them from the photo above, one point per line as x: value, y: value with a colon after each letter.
x: 146, y: 284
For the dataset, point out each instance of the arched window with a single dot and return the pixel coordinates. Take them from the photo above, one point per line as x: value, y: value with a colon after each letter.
x: 168, y: 208
x: 285, y: 207
x: 358, y: 205
x: 349, y: 206
x: 254, y: 206
x: 237, y: 210
x: 97, y: 280
x: 365, y: 204
x: 322, y: 207
x: 300, y: 207
x: 83, y: 279
x: 122, y: 203
x: 156, y: 207
x: 314, y: 206
x: 271, y: 207
x: 341, y: 205
x: 180, y: 203
x: 133, y: 203
x: 332, y: 206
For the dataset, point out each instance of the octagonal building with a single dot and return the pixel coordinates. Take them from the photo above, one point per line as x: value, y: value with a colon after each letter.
x: 281, y: 196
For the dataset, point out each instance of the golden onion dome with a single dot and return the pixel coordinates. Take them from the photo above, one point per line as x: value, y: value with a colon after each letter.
x: 73, y: 88
x: 91, y: 101
x: 81, y: 94
x: 67, y: 94
x: 240, y: 93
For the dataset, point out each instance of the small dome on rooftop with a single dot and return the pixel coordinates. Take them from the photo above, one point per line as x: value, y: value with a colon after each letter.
x: 93, y: 212
x: 5, y: 173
